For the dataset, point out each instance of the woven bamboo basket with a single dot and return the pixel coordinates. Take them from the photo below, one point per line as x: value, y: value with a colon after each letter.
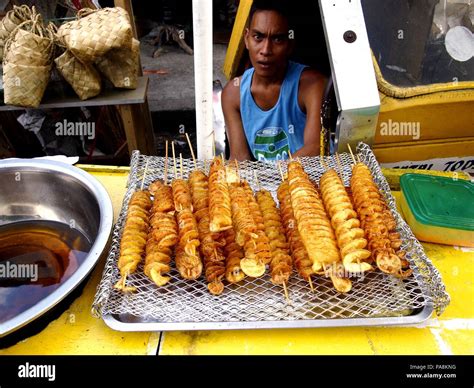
x: 120, y: 66
x: 96, y: 32
x: 84, y: 78
x: 27, y: 63
x: 25, y: 85
x: 11, y: 21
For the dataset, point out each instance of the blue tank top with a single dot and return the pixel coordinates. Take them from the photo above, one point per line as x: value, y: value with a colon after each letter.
x: 272, y: 133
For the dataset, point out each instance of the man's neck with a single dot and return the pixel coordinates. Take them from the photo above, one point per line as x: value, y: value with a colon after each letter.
x: 277, y: 79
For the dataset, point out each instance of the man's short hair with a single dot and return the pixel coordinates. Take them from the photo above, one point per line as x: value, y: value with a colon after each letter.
x: 280, y: 6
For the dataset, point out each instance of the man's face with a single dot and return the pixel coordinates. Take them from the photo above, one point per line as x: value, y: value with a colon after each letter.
x: 268, y: 43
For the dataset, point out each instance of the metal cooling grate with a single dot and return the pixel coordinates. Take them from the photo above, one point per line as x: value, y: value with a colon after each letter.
x: 372, y: 295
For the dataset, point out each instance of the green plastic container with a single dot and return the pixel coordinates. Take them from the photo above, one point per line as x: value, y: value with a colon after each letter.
x: 439, y: 209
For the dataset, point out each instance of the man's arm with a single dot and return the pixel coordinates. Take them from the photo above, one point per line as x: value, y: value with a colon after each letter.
x: 233, y: 121
x: 310, y: 97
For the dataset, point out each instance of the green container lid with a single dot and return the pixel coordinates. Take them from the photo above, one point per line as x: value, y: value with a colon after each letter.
x: 440, y: 201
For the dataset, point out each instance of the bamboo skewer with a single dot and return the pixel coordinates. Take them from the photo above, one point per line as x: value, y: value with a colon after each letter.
x: 165, y: 178
x: 144, y: 174
x: 352, y: 154
x: 174, y: 161
x: 339, y: 164
x: 192, y: 151
x: 181, y: 168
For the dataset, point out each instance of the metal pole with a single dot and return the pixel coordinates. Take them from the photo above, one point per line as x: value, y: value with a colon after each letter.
x: 352, y: 70
x: 203, y: 74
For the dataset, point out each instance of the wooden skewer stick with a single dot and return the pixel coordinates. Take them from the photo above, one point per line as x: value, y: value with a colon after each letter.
x: 358, y: 158
x: 181, y: 169
x: 192, y: 151
x: 323, y: 163
x: 339, y: 164
x: 165, y: 178
x: 310, y: 284
x: 285, y: 290
x: 290, y: 155
x: 352, y: 154
x: 281, y: 171
x: 237, y: 170
x: 144, y: 174
x: 174, y: 161
x: 257, y: 180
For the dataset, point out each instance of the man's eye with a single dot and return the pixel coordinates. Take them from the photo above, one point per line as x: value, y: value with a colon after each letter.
x: 278, y: 39
x: 258, y: 37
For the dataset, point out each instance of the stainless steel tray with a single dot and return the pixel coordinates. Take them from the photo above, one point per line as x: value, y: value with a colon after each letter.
x: 375, y: 299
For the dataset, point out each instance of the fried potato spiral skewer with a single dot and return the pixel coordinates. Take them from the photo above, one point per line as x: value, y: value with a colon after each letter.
x: 211, y: 250
x: 311, y: 218
x: 188, y: 260
x: 300, y: 256
x: 162, y: 237
x: 378, y: 223
x: 134, y: 237
x: 245, y: 232
x: 234, y: 254
x: 350, y: 238
x: 281, y: 264
x: 219, y: 198
x: 263, y: 251
x: 315, y: 228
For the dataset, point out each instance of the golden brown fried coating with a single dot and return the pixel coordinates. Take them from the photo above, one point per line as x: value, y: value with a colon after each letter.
x: 378, y: 223
x: 134, y: 237
x: 298, y: 251
x: 219, y: 198
x: 351, y: 241
x: 281, y: 264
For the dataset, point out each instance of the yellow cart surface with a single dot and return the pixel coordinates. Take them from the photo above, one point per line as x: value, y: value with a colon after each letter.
x: 77, y: 332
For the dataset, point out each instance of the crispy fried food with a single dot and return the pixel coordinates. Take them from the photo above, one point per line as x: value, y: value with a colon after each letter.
x: 181, y: 195
x: 234, y: 254
x: 211, y: 246
x: 298, y: 251
x: 164, y: 194
x: 134, y: 237
x: 263, y: 242
x: 281, y: 264
x: 378, y: 223
x: 188, y: 259
x: 246, y: 233
x: 310, y: 215
x: 189, y: 267
x: 162, y: 237
x: 219, y: 198
x: 350, y: 240
x: 199, y: 186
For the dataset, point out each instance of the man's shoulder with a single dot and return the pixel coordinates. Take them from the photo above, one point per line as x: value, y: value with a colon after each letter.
x: 231, y: 91
x: 310, y: 76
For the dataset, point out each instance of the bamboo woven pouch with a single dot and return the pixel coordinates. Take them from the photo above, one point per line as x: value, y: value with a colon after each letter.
x: 28, y: 48
x: 27, y: 64
x: 11, y: 20
x: 25, y: 85
x: 120, y: 66
x: 84, y: 78
x: 93, y: 35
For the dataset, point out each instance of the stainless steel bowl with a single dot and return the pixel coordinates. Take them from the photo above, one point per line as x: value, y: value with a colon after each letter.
x: 54, y: 191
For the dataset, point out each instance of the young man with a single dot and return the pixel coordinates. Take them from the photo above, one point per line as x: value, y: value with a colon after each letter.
x: 274, y: 107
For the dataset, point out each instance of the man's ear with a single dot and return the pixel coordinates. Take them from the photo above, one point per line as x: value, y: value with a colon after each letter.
x: 246, y: 38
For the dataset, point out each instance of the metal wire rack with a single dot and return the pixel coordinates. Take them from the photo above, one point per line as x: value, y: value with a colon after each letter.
x: 258, y: 300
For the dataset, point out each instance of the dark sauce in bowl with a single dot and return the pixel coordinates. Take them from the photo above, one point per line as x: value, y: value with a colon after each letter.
x: 36, y: 257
